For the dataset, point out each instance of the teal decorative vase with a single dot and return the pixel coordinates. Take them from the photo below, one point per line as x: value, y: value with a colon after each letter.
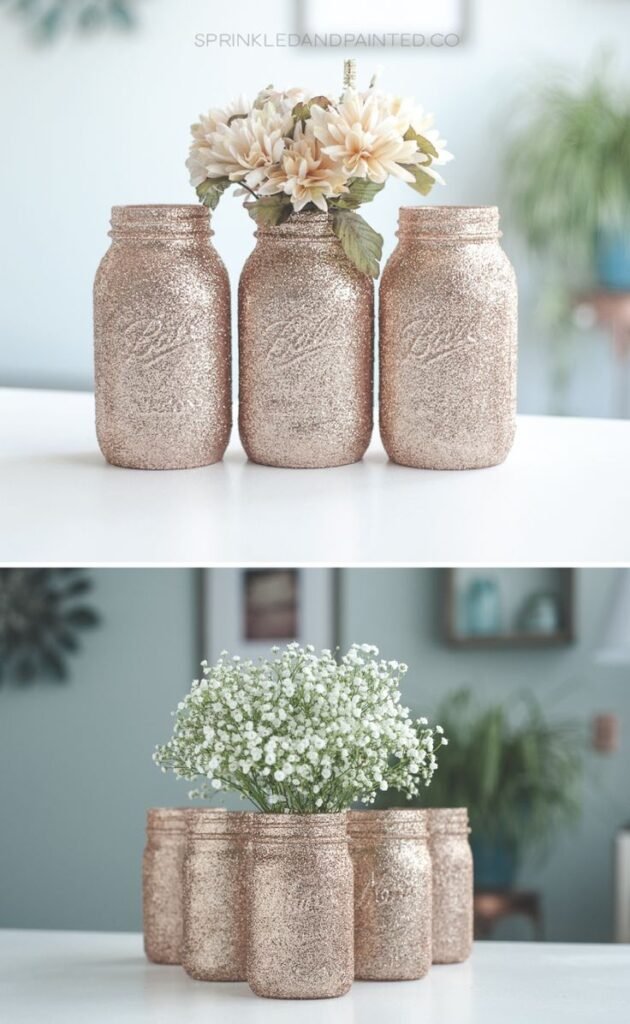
x: 495, y: 863
x: 612, y: 259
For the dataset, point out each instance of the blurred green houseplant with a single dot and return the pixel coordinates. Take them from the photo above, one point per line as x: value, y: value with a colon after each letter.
x: 566, y: 168
x: 567, y: 191
x: 516, y: 772
x: 48, y: 19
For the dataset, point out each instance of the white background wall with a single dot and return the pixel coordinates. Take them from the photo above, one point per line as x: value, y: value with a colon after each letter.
x: 90, y: 123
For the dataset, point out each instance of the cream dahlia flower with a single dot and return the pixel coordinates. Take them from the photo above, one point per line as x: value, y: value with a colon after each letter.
x: 247, y: 149
x: 283, y: 101
x: 409, y: 115
x: 362, y: 136
x: 202, y: 131
x: 307, y: 174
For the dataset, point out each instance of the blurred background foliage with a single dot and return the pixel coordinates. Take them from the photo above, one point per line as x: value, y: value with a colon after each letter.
x: 516, y: 769
x: 48, y: 19
x: 42, y: 614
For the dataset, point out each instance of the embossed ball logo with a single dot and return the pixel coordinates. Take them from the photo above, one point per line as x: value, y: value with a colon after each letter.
x: 424, y: 342
x: 289, y: 341
x: 149, y: 341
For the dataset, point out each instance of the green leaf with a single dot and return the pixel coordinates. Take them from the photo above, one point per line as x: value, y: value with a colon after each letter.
x: 423, y: 182
x: 54, y: 664
x: 362, y: 244
x: 81, y: 617
x: 90, y: 17
x: 269, y: 211
x: 422, y: 143
x: 360, y: 190
x: 211, y: 190
x: 301, y: 112
x: 120, y: 12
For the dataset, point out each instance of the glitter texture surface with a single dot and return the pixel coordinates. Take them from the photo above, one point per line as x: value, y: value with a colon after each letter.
x: 392, y: 894
x: 452, y: 884
x: 306, y: 327
x: 300, y: 911
x: 448, y: 341
x: 215, y: 895
x: 162, y: 341
x: 162, y: 884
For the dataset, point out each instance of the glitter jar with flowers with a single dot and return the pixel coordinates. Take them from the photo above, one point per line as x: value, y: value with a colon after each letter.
x: 305, y: 164
x: 302, y: 736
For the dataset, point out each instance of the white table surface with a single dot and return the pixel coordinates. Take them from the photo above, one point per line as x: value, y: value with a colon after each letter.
x: 81, y: 977
x: 561, y: 498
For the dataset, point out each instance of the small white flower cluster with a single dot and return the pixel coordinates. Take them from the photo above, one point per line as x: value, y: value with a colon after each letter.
x: 301, y: 732
x: 311, y: 148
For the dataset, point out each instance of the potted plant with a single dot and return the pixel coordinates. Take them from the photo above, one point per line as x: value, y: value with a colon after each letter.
x: 566, y: 177
x: 302, y: 736
x: 516, y: 772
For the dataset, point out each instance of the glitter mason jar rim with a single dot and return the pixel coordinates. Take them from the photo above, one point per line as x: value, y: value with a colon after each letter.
x: 394, y: 822
x: 280, y: 827
x: 448, y: 821
x: 216, y: 822
x: 299, y: 225
x: 166, y: 819
x: 439, y: 223
x: 160, y: 220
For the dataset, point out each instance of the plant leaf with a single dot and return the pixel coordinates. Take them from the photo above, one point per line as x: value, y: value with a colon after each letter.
x: 362, y: 244
x: 423, y: 144
x: 269, y: 211
x: 360, y: 190
x: 423, y: 182
x: 320, y: 101
x: 121, y: 13
x: 82, y: 617
x: 211, y: 190
x: 301, y: 112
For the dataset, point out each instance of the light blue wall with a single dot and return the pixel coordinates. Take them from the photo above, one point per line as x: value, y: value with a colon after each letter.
x: 76, y: 773
x: 76, y: 759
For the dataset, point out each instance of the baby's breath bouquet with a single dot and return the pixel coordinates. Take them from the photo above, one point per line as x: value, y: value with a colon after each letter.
x: 292, y: 151
x: 301, y: 732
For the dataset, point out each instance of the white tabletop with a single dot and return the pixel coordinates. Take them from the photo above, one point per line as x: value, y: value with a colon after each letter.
x: 74, y: 977
x: 561, y: 498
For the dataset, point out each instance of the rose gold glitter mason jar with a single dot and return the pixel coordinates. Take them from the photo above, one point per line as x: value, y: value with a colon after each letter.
x: 448, y: 327
x: 451, y: 857
x: 162, y: 884
x: 162, y: 341
x: 300, y: 909
x: 306, y: 325
x: 215, y: 895
x: 392, y: 894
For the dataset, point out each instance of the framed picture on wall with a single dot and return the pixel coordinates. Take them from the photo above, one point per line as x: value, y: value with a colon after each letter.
x: 440, y: 22
x: 248, y: 611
